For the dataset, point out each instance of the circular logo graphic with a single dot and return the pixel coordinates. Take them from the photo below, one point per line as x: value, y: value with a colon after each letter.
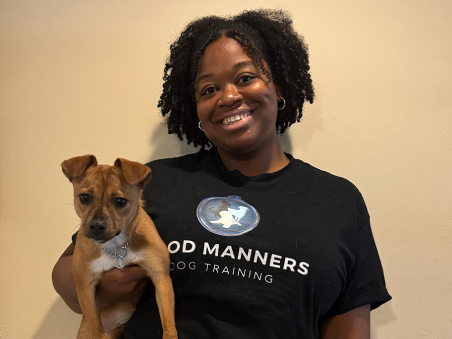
x: 227, y: 216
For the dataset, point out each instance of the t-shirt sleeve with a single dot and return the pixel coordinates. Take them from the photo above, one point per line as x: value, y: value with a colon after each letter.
x: 365, y: 282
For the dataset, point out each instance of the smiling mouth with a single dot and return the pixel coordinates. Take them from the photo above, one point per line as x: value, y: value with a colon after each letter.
x: 234, y: 119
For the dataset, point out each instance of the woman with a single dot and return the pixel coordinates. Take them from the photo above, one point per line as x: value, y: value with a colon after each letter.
x: 262, y: 245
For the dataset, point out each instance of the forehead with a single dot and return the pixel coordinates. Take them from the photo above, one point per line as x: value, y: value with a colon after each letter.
x: 99, y: 176
x: 222, y: 53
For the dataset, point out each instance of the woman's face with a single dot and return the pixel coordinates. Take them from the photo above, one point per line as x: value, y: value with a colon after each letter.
x: 235, y: 103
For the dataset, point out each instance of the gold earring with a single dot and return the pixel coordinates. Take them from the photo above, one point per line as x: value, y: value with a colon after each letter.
x: 283, y: 105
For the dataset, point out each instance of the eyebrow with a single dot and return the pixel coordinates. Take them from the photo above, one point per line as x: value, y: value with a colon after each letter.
x: 243, y: 63
x: 236, y: 66
x: 204, y: 76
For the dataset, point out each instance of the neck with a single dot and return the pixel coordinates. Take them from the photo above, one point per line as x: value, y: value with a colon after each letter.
x: 255, y: 163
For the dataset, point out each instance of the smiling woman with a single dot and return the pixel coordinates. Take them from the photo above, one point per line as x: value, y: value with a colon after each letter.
x: 268, y: 42
x: 237, y: 104
x: 262, y: 245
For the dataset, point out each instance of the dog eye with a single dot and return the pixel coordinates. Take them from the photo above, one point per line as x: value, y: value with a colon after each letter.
x: 85, y: 199
x: 120, y: 202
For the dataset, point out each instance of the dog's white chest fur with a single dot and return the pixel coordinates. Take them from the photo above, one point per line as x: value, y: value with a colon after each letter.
x: 106, y: 262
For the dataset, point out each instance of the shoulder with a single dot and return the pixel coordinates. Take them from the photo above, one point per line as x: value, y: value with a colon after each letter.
x: 187, y: 163
x: 315, y: 177
x: 330, y: 189
x: 173, y: 174
x: 174, y: 179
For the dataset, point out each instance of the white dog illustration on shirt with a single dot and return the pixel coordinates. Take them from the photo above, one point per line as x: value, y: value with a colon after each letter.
x: 238, y: 214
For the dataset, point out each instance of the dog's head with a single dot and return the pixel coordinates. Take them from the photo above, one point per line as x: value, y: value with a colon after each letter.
x: 106, y: 198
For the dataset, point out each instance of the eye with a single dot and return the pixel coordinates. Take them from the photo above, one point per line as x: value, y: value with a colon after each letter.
x: 85, y: 199
x: 120, y: 202
x: 246, y: 78
x: 209, y: 90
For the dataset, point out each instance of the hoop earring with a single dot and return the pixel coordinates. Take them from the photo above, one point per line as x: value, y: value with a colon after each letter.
x: 283, y: 105
x: 200, y: 126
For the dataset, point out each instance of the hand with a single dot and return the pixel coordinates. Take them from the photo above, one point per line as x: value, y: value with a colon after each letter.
x: 116, y: 285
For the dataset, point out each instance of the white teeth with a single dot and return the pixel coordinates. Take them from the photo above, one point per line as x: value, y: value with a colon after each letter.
x: 234, y: 119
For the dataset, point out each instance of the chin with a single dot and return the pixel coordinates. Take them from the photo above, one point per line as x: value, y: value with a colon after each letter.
x: 239, y: 147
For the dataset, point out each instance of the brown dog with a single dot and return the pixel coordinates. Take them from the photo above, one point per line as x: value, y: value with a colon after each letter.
x: 115, y: 231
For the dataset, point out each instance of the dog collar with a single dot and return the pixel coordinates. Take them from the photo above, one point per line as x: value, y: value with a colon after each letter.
x: 119, y: 255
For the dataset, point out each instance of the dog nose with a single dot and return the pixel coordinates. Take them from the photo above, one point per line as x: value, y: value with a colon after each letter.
x: 97, y: 226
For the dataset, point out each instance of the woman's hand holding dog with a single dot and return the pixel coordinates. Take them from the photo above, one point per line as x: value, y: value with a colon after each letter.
x: 117, y: 285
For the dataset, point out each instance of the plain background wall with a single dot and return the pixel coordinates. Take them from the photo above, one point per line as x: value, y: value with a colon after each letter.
x: 83, y: 77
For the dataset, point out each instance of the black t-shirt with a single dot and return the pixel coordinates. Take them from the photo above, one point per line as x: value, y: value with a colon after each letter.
x: 270, y: 256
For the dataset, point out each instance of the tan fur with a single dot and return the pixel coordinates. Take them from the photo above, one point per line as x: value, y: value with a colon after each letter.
x: 125, y: 179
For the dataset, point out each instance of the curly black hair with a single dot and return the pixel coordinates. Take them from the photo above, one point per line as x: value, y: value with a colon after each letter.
x: 264, y: 35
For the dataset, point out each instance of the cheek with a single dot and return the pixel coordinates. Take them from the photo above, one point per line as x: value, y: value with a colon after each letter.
x: 124, y: 216
x: 265, y: 93
x: 272, y: 101
x: 82, y: 211
x: 203, y: 110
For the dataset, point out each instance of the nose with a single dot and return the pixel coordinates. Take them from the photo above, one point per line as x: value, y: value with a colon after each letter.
x: 97, y: 226
x: 230, y: 95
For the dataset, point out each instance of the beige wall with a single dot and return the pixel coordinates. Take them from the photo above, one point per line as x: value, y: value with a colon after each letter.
x: 83, y: 77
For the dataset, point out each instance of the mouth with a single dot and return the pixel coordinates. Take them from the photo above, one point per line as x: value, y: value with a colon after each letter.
x: 235, y: 118
x: 100, y: 238
x: 104, y: 239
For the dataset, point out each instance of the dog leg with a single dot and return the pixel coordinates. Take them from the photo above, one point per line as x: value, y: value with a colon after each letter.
x: 85, y: 331
x: 164, y: 296
x: 156, y: 263
x: 91, y: 327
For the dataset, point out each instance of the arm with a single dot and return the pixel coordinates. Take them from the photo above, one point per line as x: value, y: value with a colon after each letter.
x: 116, y: 285
x: 354, y: 324
x: 63, y: 280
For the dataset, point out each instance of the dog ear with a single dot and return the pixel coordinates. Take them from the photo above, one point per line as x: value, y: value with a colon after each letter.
x: 134, y: 172
x: 75, y: 167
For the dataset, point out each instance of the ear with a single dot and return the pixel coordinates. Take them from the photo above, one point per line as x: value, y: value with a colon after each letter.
x: 134, y: 172
x: 75, y: 167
